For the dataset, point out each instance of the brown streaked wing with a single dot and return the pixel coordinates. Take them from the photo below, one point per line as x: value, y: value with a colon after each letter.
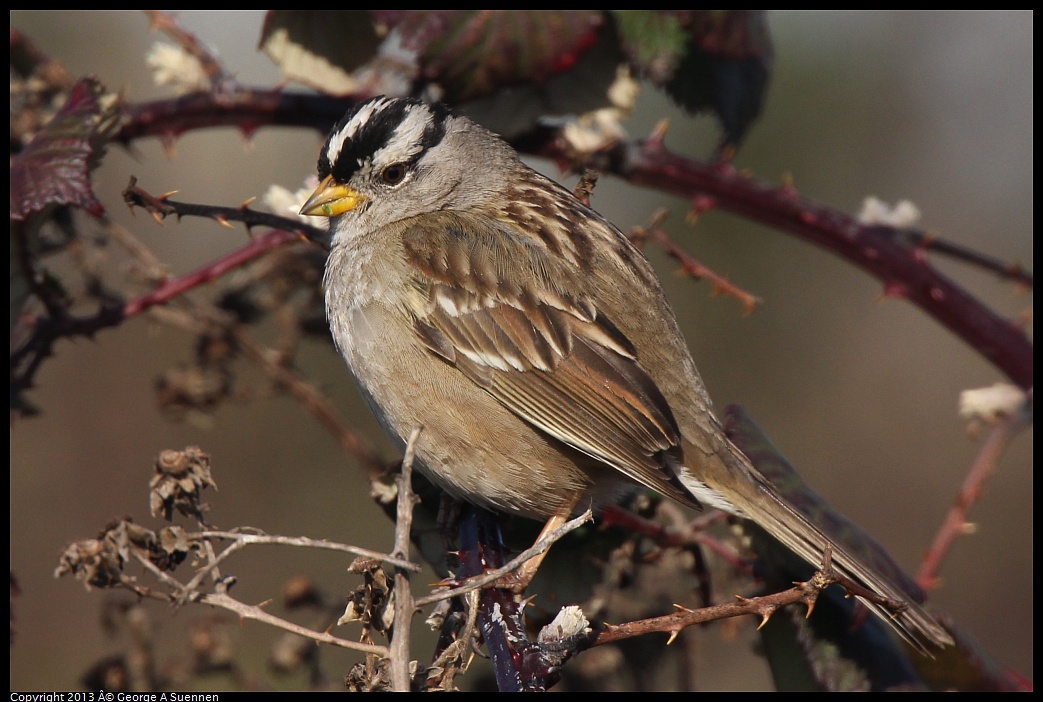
x: 496, y: 309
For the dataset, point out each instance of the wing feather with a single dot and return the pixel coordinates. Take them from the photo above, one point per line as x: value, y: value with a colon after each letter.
x: 495, y: 305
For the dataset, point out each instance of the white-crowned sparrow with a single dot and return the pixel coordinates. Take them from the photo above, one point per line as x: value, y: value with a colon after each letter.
x: 473, y: 296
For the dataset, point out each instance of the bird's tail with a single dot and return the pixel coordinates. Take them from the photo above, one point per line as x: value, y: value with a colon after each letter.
x: 757, y: 499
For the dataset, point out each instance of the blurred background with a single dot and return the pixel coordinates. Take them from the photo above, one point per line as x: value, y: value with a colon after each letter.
x: 861, y: 394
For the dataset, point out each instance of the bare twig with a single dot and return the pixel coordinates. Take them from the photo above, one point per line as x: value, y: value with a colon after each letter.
x: 242, y: 540
x: 492, y: 576
x: 454, y: 659
x: 692, y: 266
x: 404, y: 604
x: 245, y: 611
x: 314, y: 401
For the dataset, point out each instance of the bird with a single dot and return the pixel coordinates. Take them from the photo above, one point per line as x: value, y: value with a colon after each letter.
x: 476, y: 298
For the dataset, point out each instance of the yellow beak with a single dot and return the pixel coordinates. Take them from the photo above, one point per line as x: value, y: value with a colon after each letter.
x: 331, y: 199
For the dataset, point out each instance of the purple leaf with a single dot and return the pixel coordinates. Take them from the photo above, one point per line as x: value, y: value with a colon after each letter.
x: 54, y: 168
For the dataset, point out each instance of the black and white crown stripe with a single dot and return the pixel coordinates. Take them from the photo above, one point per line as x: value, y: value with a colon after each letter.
x: 382, y: 131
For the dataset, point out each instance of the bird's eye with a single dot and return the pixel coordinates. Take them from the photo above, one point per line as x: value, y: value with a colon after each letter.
x: 394, y: 174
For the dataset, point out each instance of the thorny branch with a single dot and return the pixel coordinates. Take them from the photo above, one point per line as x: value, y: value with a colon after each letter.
x: 884, y: 252
x: 802, y: 593
x: 161, y: 207
x: 956, y: 522
x: 874, y: 248
x: 690, y: 265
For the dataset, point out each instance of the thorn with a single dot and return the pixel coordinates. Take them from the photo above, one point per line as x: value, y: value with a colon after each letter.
x: 658, y: 133
x: 264, y: 604
x: 788, y: 188
x: 659, y: 216
x: 156, y: 216
x: 892, y: 290
x: 727, y: 153
x: 246, y: 203
x: 766, y: 616
x: 725, y: 168
x: 166, y: 196
x: 682, y: 608
x: 700, y: 203
x: 673, y: 635
x: 223, y: 222
x: 168, y: 141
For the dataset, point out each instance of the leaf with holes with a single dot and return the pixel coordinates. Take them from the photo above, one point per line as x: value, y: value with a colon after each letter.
x: 474, y: 52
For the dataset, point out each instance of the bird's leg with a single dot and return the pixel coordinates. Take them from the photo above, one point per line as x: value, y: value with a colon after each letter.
x: 520, y: 579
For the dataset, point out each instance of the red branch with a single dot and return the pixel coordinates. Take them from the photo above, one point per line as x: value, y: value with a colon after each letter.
x: 258, y: 246
x: 903, y: 272
x: 955, y: 522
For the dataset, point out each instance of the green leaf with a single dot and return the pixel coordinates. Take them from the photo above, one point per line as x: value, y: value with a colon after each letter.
x: 654, y: 41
